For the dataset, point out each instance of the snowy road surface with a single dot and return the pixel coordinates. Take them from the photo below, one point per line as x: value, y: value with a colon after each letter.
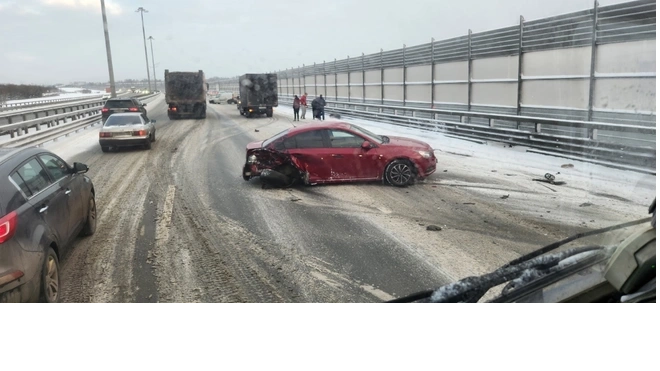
x: 177, y: 223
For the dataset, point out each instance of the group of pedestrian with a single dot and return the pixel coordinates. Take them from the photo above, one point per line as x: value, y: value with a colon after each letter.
x: 318, y: 107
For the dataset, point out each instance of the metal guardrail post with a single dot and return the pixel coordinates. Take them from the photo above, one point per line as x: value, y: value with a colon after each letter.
x: 469, y: 87
x: 364, y: 88
x: 382, y: 80
x: 336, y: 89
x: 348, y: 75
x: 405, y: 74
x: 433, y: 75
x: 520, y: 72
x: 592, y: 72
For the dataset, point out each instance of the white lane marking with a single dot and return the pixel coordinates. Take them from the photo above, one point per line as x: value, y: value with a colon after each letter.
x: 162, y: 230
x: 380, y: 294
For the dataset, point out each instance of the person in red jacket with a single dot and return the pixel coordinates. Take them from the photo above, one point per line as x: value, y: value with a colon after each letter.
x: 303, y: 105
x: 296, y: 108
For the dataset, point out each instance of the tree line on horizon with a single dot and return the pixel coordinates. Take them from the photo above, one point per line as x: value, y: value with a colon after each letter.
x: 13, y: 91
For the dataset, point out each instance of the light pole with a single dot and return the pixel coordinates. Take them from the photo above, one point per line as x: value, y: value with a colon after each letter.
x: 153, y: 62
x: 141, y: 10
x: 113, y: 91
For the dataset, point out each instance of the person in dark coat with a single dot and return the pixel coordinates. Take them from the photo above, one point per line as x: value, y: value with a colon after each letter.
x: 316, y: 104
x: 296, y: 108
x: 322, y: 101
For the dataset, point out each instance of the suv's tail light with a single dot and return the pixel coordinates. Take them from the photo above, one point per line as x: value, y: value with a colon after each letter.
x: 133, y: 109
x: 104, y: 110
x: 8, y: 226
x: 139, y: 133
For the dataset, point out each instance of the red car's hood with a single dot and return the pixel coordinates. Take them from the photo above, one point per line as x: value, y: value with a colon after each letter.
x: 254, y: 145
x: 407, y: 142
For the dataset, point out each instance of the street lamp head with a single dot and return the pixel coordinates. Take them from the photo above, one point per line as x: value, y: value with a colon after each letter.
x: 141, y: 9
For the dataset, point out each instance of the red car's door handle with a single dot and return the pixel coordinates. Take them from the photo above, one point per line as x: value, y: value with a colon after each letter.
x: 337, y: 156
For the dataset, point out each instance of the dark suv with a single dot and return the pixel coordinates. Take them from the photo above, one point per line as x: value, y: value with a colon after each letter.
x: 117, y: 105
x: 44, y: 205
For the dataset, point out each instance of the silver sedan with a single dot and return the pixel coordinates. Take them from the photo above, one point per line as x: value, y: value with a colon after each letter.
x: 127, y: 130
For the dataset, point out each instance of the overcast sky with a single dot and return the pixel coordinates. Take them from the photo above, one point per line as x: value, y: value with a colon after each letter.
x: 59, y: 41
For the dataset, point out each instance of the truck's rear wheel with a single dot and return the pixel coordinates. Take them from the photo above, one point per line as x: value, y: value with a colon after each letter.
x: 269, y: 113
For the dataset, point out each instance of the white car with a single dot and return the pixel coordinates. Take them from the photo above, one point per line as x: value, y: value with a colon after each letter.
x: 127, y: 130
x: 222, y: 98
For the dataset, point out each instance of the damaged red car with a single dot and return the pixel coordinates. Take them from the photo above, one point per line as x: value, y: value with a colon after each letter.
x: 337, y: 152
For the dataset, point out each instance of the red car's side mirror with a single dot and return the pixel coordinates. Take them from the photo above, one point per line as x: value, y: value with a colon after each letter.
x: 366, y: 145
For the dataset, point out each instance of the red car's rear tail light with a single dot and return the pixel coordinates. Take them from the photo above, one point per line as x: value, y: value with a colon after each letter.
x: 8, y: 226
x: 105, y: 135
x: 139, y: 133
x: 133, y: 109
x: 104, y: 110
x: 173, y: 109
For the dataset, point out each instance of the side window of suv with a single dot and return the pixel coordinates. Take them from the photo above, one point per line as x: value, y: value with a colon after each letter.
x: 20, y: 184
x: 34, y: 178
x: 57, y: 168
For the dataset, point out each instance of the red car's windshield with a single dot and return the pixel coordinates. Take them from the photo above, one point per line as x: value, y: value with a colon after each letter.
x: 366, y: 132
x: 267, y: 142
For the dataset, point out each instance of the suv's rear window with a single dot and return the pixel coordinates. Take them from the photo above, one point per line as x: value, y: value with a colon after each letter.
x: 119, y: 104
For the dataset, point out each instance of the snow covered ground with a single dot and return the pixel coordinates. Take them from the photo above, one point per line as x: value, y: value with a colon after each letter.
x: 67, y: 93
x: 496, y: 170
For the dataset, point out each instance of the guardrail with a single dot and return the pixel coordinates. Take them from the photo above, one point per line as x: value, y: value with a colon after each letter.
x: 19, y: 105
x: 76, y: 117
x: 536, y: 133
x: 15, y: 121
x: 18, y: 122
x: 13, y: 107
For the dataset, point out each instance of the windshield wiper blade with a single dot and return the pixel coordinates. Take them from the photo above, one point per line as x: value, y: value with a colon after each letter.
x: 471, y: 289
x: 536, y: 280
x: 476, y: 290
x: 557, y: 244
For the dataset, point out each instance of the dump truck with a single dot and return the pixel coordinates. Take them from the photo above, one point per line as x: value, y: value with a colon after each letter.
x: 258, y: 94
x: 185, y: 94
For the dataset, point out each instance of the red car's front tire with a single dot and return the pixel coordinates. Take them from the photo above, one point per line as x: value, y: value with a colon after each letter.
x: 400, y: 173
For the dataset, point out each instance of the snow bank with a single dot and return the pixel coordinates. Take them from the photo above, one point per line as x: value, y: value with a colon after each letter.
x: 483, y: 166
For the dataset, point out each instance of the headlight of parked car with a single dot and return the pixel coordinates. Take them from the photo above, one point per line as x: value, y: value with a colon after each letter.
x: 425, y: 154
x: 252, y: 159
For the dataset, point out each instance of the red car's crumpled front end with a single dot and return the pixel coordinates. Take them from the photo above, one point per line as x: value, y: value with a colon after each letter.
x: 277, y: 166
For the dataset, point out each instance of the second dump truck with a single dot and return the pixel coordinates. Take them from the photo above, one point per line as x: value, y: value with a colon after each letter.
x: 258, y: 94
x: 185, y: 94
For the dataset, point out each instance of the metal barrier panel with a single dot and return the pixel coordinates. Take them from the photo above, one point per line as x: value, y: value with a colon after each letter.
x: 597, y: 64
